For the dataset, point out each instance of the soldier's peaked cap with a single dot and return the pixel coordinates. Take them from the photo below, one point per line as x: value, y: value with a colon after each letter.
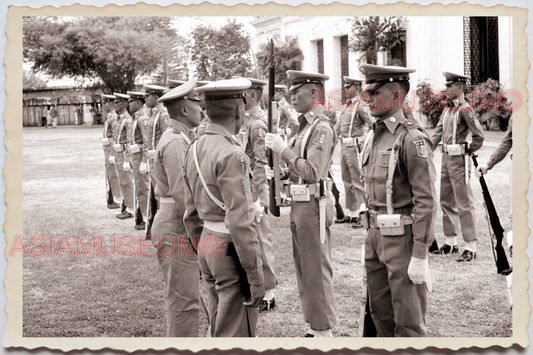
x: 299, y: 78
x: 455, y: 78
x: 135, y: 95
x: 225, y: 89
x: 154, y: 89
x: 106, y: 98
x: 256, y: 83
x: 182, y: 92
x: 352, y: 81
x: 377, y: 75
x: 174, y: 83
x: 120, y: 97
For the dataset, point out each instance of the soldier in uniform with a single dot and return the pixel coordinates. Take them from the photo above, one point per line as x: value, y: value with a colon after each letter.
x: 288, y: 120
x: 399, y: 181
x: 252, y: 136
x: 309, y: 158
x: 218, y: 191
x: 121, y: 155
x: 176, y: 255
x: 157, y: 119
x: 110, y: 121
x: 138, y: 147
x: 456, y: 198
x: 351, y: 127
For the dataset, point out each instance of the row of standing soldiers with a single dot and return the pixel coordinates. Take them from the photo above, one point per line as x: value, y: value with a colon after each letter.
x: 205, y: 148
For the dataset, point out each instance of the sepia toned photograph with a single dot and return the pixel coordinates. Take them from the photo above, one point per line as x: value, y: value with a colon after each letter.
x: 286, y: 176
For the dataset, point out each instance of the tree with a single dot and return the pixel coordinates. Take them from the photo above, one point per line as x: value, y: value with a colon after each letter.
x: 287, y: 55
x: 220, y: 53
x: 31, y: 81
x: 371, y: 33
x: 113, y: 50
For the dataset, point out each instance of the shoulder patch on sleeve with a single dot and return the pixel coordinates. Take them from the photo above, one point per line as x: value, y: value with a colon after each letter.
x: 322, y: 135
x: 421, y: 148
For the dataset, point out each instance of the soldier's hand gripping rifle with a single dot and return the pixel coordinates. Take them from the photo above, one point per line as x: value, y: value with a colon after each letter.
x: 494, y: 223
x: 273, y: 158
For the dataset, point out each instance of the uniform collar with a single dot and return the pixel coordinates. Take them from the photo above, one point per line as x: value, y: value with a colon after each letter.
x: 311, y: 115
x: 253, y: 110
x: 178, y: 126
x: 215, y: 128
x: 393, y: 121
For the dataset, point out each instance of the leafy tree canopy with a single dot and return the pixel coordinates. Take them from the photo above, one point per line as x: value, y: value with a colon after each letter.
x: 115, y: 50
x: 287, y: 55
x: 220, y: 53
x: 371, y: 33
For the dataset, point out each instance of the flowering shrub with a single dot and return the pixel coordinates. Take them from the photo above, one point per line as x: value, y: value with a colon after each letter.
x: 429, y: 103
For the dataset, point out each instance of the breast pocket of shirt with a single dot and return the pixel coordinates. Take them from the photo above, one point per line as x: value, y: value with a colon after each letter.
x: 382, y: 165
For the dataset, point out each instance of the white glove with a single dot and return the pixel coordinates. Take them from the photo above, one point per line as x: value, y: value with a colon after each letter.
x: 417, y: 270
x: 363, y: 256
x: 258, y: 210
x: 112, y: 159
x: 126, y: 166
x: 143, y: 168
x: 483, y: 169
x: 275, y: 142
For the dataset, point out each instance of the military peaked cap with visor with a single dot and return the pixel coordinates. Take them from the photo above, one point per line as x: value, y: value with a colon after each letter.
x: 299, y: 78
x: 376, y: 75
x: 186, y: 91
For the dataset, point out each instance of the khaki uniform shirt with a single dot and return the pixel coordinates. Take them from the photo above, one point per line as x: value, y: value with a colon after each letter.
x: 226, y: 171
x: 503, y: 148
x: 466, y: 123
x: 315, y: 165
x: 169, y: 161
x: 160, y: 113
x: 252, y: 137
x: 137, y: 131
x: 362, y: 121
x: 414, y: 176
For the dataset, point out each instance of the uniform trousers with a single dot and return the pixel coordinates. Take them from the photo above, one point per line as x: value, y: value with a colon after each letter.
x: 221, y: 277
x: 456, y: 198
x: 397, y: 306
x: 179, y: 263
x: 351, y: 177
x: 126, y: 181
x: 141, y: 182
x: 312, y: 261
x: 267, y: 253
x: 112, y: 176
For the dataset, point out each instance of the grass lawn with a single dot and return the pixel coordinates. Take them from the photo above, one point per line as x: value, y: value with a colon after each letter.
x: 122, y: 296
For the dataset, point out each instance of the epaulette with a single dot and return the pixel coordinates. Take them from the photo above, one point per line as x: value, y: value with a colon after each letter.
x: 413, y: 128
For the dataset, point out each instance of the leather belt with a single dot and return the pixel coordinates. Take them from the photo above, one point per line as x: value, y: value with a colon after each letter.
x: 373, y: 214
x: 314, y: 189
x: 216, y: 226
x: 360, y: 138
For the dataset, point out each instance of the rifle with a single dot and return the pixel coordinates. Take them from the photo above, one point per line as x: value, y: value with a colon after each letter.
x: 152, y: 209
x: 108, y: 193
x: 497, y: 230
x: 273, y: 158
x: 336, y: 193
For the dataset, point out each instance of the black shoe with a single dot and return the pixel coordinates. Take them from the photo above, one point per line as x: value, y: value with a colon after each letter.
x: 447, y: 249
x: 356, y: 222
x: 307, y: 335
x: 267, y: 305
x: 113, y: 205
x: 346, y: 219
x: 141, y: 226
x: 124, y: 215
x: 511, y: 251
x: 467, y: 256
x: 434, y: 247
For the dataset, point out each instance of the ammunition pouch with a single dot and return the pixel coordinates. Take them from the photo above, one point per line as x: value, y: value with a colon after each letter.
x: 453, y: 149
x: 389, y: 224
x: 134, y: 148
x: 119, y: 148
x: 105, y: 141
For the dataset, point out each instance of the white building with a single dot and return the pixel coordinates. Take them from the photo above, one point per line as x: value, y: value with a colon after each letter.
x: 477, y: 46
